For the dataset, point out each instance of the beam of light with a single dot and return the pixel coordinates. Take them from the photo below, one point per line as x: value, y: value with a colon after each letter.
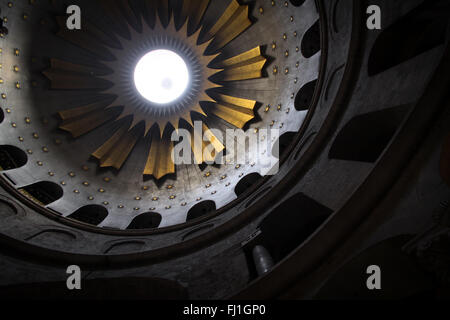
x: 161, y: 76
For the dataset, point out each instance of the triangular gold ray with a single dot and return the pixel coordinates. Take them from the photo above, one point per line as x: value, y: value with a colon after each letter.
x: 236, y: 111
x: 61, y: 80
x: 162, y: 123
x: 159, y: 161
x: 187, y: 116
x: 203, y: 96
x: 194, y: 10
x: 82, y: 39
x: 197, y: 108
x: 116, y: 150
x: 184, y: 29
x: 87, y: 123
x: 199, y: 151
x: 251, y: 70
x: 232, y: 23
x: 209, y: 135
x: 83, y: 119
x: 82, y: 110
x: 126, y: 112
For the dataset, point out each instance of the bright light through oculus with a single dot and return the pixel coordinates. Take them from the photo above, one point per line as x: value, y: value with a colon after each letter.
x: 161, y: 76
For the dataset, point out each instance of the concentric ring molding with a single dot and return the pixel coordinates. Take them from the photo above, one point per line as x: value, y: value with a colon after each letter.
x: 281, y: 106
x: 79, y: 177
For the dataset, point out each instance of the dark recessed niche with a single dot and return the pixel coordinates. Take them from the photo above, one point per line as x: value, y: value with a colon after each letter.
x: 123, y: 247
x: 246, y: 183
x: 93, y: 214
x: 197, y: 231
x: 12, y: 158
x: 43, y: 193
x: 7, y: 209
x: 421, y: 30
x: 2, y: 116
x: 365, y: 137
x: 311, y: 41
x: 201, y: 209
x: 290, y: 224
x: 297, y: 3
x: 148, y: 220
x: 283, y: 143
x: 305, y: 95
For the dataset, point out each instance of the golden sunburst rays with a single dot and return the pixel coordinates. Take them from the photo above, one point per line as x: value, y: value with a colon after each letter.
x: 115, y: 151
x: 140, y: 109
x: 112, y: 77
x: 159, y: 160
x: 210, y: 143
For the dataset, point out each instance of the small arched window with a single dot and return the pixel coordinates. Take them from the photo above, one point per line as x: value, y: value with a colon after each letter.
x: 93, y: 214
x: 148, y: 220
